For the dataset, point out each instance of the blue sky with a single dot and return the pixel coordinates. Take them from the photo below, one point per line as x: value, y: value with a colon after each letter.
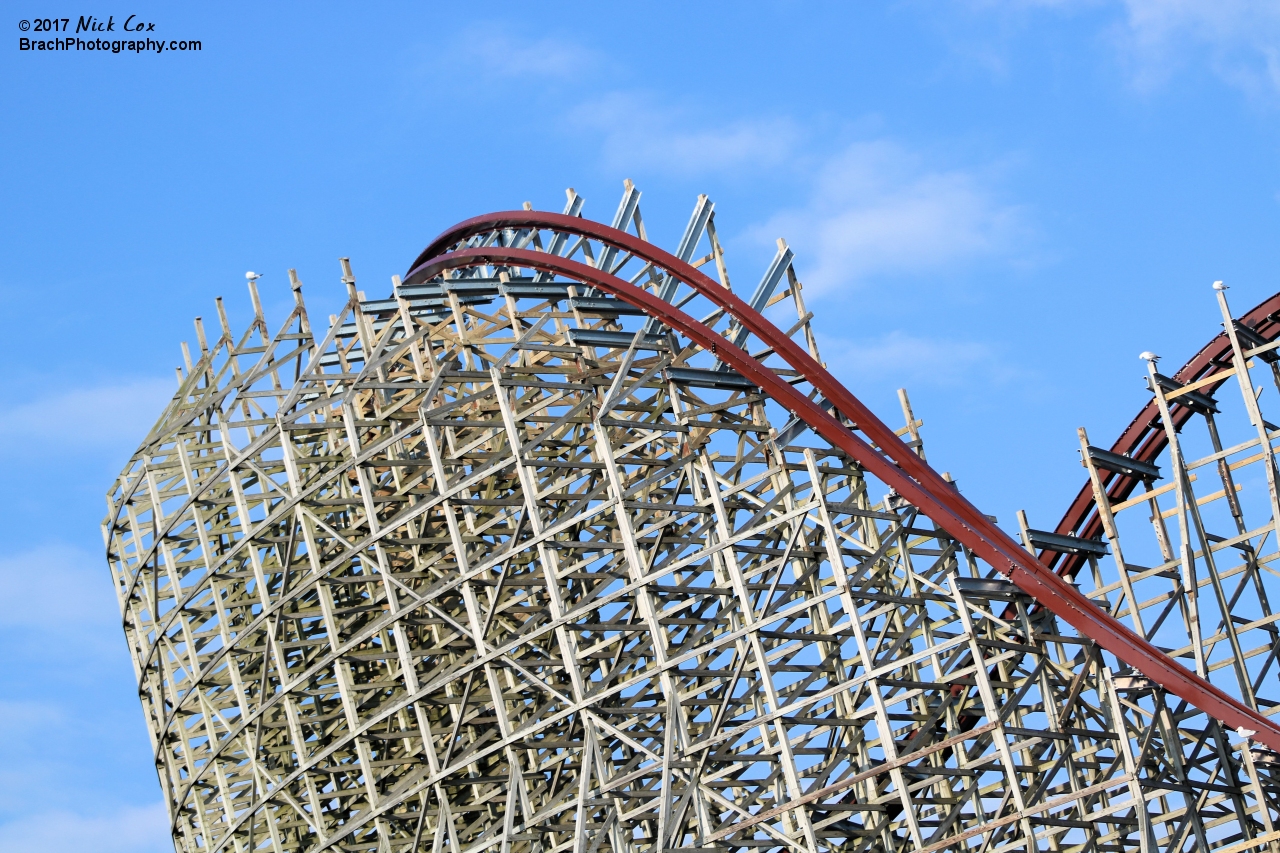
x: 995, y: 203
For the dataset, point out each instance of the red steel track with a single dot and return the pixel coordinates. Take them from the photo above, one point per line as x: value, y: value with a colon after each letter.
x: 882, y: 453
x: 1145, y: 439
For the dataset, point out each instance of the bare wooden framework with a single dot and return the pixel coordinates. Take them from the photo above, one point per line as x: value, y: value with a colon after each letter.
x: 1188, y: 503
x: 502, y: 563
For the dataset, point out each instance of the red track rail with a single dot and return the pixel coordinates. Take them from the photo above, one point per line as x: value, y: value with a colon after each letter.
x: 1144, y: 439
x: 894, y: 463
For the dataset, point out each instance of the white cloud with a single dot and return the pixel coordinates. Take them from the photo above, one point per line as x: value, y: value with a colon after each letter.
x: 130, y: 829
x: 1018, y: 5
x: 499, y: 54
x: 639, y: 136
x: 58, y: 615
x: 1239, y: 39
x: 18, y: 717
x: 61, y: 584
x: 906, y: 359
x: 876, y: 209
x: 108, y: 416
x: 67, y: 686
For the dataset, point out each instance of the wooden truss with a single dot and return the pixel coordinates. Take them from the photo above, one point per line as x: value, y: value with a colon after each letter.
x: 505, y: 563
x: 1187, y: 500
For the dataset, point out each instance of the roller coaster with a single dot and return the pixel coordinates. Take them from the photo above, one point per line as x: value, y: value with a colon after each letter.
x: 567, y: 546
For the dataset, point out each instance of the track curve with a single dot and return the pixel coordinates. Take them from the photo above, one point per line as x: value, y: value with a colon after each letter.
x: 1144, y: 440
x: 529, y: 558
x: 898, y: 465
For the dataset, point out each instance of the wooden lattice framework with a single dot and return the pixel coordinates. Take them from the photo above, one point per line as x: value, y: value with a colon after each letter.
x: 505, y: 562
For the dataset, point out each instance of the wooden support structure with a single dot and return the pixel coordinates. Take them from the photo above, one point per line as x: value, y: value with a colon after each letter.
x: 504, y: 562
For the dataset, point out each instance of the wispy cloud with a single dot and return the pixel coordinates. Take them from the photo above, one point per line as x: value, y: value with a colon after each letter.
x: 877, y: 208
x: 60, y: 582
x: 902, y: 358
x: 70, y: 589
x: 109, y: 416
x: 637, y: 134
x: 1238, y: 39
x: 61, y: 642
x: 127, y: 830
x: 20, y: 717
x: 1033, y: 4
x: 495, y: 53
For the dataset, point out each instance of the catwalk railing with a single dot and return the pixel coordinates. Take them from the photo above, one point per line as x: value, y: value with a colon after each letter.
x: 526, y: 557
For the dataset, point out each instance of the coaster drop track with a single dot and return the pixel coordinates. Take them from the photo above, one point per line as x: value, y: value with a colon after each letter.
x: 878, y: 449
x: 565, y: 546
